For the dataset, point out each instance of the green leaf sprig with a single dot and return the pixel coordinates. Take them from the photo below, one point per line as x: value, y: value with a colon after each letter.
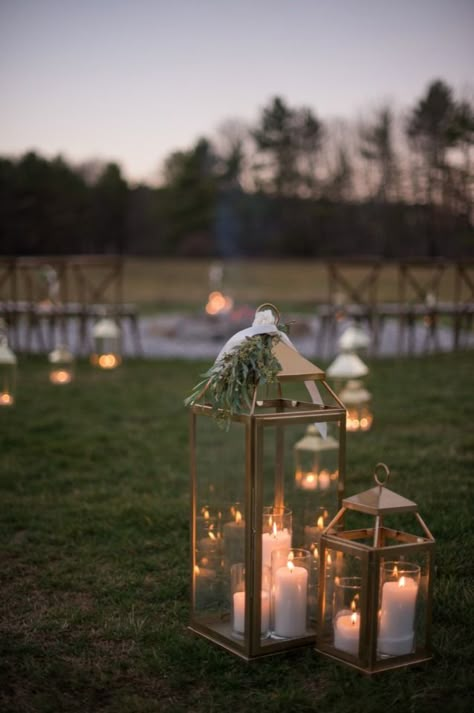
x: 230, y: 383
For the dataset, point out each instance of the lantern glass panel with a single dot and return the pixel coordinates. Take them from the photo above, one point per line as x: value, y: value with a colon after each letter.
x: 311, y: 508
x: 219, y: 521
x: 7, y: 384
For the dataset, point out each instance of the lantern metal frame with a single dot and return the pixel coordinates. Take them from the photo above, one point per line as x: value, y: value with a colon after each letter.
x: 378, y: 503
x: 268, y: 413
x: 8, y: 369
x: 107, y: 344
x: 358, y: 402
x: 61, y: 360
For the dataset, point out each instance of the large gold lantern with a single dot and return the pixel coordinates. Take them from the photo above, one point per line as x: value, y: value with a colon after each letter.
x: 7, y: 369
x: 253, y: 573
x: 107, y: 346
x: 61, y: 362
x: 375, y: 591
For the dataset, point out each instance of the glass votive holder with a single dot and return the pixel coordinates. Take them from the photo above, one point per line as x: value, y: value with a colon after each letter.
x: 209, y: 542
x: 233, y: 533
x: 318, y: 521
x: 237, y: 581
x: 346, y: 614
x: 399, y: 586
x: 276, y: 531
x: 291, y: 575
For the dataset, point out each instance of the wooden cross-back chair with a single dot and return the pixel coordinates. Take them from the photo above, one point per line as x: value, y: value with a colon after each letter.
x: 42, y: 290
x: 419, y: 283
x: 463, y: 300
x: 352, y: 293
x: 98, y: 289
x: 8, y: 297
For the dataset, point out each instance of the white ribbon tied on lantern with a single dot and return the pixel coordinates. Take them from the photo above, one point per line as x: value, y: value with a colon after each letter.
x: 264, y: 323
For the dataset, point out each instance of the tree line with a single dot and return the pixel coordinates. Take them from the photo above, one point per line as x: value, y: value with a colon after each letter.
x: 290, y: 184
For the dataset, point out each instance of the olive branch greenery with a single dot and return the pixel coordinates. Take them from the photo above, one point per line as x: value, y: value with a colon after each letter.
x: 230, y: 383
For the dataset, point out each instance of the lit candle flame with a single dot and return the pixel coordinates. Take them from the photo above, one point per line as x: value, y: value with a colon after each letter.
x: 212, y: 535
x: 274, y: 529
x: 310, y: 478
x: 206, y: 514
x: 6, y: 399
x: 108, y: 361
x: 290, y: 565
x: 353, y: 605
x: 354, y: 619
x: 395, y: 572
x: 328, y: 559
x: 402, y: 582
x: 238, y: 516
x: 196, y: 569
x: 291, y: 556
x: 320, y: 523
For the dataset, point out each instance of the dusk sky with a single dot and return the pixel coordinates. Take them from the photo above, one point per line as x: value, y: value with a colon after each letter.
x: 133, y: 80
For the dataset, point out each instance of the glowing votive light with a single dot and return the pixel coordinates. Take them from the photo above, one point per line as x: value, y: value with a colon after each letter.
x: 60, y: 376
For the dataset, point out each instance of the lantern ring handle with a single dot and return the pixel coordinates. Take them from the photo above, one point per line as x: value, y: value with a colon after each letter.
x: 274, y: 309
x: 387, y: 474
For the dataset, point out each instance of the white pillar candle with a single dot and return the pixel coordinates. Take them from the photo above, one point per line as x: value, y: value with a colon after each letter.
x: 278, y: 539
x: 347, y: 632
x: 291, y: 593
x: 397, y: 615
x: 239, y: 612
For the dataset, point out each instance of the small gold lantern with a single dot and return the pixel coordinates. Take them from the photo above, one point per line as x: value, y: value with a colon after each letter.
x: 357, y: 401
x: 316, y: 461
x: 107, y: 350
x: 61, y: 370
x: 347, y: 369
x: 7, y: 369
x: 375, y: 593
x: 253, y: 582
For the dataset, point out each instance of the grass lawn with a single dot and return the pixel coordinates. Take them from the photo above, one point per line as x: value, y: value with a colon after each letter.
x: 94, y: 548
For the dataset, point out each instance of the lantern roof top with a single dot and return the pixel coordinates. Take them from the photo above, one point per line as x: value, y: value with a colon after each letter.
x: 354, y: 338
x: 313, y: 441
x: 379, y: 500
x: 354, y: 393
x: 61, y: 354
x: 294, y: 366
x: 347, y: 366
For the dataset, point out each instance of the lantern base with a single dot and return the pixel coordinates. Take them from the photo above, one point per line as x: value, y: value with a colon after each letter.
x: 386, y: 664
x: 271, y: 648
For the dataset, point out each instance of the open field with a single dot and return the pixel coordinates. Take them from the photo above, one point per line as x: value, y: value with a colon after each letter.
x: 94, y: 548
x: 160, y: 284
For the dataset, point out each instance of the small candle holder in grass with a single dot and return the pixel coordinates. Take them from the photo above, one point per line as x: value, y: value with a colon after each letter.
x: 375, y: 583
